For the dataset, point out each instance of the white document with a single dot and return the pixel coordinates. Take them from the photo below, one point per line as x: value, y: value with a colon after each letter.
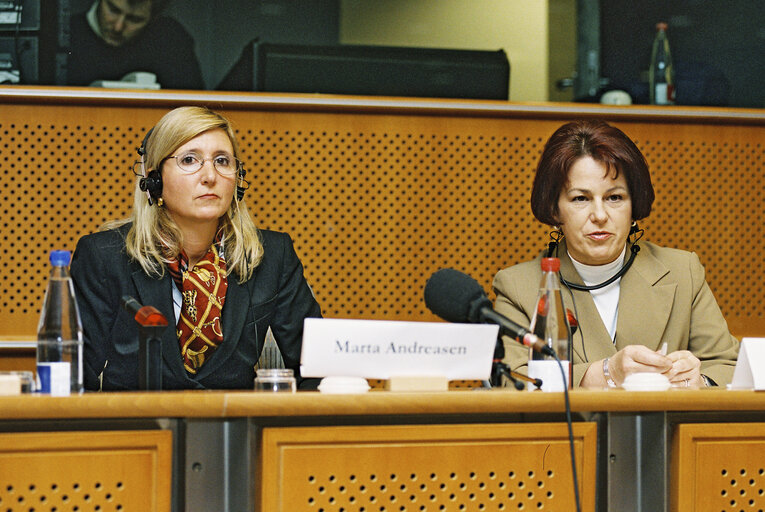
x: 750, y: 367
x: 381, y: 349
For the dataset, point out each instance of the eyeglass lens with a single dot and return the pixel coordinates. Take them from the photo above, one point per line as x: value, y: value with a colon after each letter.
x: 191, y: 163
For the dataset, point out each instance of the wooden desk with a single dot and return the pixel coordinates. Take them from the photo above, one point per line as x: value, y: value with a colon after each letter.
x: 228, y: 448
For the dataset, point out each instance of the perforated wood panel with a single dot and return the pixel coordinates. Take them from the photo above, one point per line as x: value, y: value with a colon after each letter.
x: 381, y: 206
x: 377, y: 201
x: 85, y: 471
x: 426, y: 467
x: 719, y: 467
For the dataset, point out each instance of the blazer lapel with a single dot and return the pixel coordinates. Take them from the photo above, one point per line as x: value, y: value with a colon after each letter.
x: 158, y: 293
x: 644, y: 303
x: 232, y: 321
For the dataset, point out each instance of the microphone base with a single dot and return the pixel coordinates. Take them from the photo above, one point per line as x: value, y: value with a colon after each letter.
x: 500, y: 369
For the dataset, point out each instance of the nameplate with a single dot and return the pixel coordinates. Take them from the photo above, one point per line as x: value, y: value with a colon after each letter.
x: 381, y: 349
x: 750, y: 366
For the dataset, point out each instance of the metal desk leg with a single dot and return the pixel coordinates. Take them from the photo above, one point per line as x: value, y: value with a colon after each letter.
x: 637, y: 464
x: 217, y: 469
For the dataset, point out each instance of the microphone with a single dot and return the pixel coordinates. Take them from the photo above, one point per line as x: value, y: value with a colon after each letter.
x: 457, y: 297
x: 151, y: 323
x: 145, y: 316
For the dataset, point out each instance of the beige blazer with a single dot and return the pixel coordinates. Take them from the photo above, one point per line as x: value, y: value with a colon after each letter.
x: 663, y: 297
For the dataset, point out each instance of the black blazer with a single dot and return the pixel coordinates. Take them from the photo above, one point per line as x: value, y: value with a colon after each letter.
x: 277, y: 296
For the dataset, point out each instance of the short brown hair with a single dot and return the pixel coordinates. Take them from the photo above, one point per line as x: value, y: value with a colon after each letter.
x: 605, y: 144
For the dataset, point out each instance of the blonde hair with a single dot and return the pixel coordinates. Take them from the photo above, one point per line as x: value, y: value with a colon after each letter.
x: 154, y: 238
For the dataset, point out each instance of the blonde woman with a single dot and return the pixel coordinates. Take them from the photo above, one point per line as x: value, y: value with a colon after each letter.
x: 191, y: 250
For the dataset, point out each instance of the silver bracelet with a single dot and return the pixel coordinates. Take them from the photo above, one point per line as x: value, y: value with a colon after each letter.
x: 607, y: 374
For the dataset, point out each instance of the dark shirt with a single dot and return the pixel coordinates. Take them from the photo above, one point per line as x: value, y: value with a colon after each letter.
x: 163, y: 47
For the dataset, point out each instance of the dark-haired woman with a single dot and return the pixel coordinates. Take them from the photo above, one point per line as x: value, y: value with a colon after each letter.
x: 592, y: 185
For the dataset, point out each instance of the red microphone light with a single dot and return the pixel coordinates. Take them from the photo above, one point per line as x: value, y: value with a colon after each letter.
x: 572, y: 322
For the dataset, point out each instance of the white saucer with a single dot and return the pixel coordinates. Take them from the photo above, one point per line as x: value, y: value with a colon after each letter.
x: 646, y: 381
x: 340, y: 385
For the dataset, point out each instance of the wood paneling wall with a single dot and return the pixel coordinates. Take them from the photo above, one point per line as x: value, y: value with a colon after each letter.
x: 377, y: 193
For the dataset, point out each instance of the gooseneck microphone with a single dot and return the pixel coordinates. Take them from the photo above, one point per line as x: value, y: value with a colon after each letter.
x: 151, y: 323
x: 457, y: 297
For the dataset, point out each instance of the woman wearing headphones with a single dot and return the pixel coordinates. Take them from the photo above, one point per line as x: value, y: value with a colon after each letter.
x: 592, y: 184
x: 191, y: 250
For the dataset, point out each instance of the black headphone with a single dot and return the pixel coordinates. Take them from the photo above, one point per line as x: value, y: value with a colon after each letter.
x: 151, y: 182
x: 634, y: 249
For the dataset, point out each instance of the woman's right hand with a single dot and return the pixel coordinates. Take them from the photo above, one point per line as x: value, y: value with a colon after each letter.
x: 634, y: 359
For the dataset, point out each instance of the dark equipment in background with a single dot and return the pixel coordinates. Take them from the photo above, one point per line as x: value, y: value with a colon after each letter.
x: 30, y: 37
x: 371, y: 70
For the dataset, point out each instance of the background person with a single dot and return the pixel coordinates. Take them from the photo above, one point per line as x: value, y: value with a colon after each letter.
x: 116, y: 37
x: 592, y: 184
x: 195, y: 254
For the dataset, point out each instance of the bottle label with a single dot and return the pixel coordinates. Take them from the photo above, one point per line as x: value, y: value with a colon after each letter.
x: 661, y: 94
x: 54, y: 378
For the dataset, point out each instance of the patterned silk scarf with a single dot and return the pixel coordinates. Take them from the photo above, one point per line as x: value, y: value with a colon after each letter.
x: 203, y: 289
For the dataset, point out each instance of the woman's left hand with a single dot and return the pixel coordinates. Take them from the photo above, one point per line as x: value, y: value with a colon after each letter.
x: 685, y: 371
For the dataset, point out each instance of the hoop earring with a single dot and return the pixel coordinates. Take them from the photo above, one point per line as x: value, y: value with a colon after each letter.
x: 635, y: 230
x: 556, y: 235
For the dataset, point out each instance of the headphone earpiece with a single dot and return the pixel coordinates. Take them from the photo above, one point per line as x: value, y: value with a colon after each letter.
x: 241, y: 184
x: 150, y: 182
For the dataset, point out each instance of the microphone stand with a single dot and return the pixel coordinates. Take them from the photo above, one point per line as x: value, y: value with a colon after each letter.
x: 151, y: 323
x: 500, y: 369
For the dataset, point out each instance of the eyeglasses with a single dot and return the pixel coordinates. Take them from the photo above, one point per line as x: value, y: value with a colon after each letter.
x: 225, y: 165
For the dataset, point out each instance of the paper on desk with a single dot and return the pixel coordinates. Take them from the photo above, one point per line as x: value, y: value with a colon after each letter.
x: 381, y: 349
x: 750, y: 366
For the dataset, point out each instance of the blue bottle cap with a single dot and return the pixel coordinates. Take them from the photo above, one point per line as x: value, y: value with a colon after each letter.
x: 59, y: 258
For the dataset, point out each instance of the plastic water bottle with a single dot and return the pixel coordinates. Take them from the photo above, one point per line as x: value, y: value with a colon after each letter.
x: 661, y: 76
x: 59, y: 333
x: 550, y: 323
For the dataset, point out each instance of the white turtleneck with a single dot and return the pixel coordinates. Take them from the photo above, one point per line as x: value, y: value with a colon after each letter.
x: 606, y: 298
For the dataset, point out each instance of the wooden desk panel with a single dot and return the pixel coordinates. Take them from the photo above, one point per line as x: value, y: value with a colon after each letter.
x: 718, y: 466
x: 424, y: 467
x: 95, y: 470
x: 228, y: 424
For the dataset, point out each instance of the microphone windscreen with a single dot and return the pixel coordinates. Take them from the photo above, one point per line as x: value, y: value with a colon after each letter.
x: 131, y: 305
x: 451, y: 295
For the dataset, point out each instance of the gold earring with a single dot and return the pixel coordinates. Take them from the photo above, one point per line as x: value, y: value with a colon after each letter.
x: 160, y: 202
